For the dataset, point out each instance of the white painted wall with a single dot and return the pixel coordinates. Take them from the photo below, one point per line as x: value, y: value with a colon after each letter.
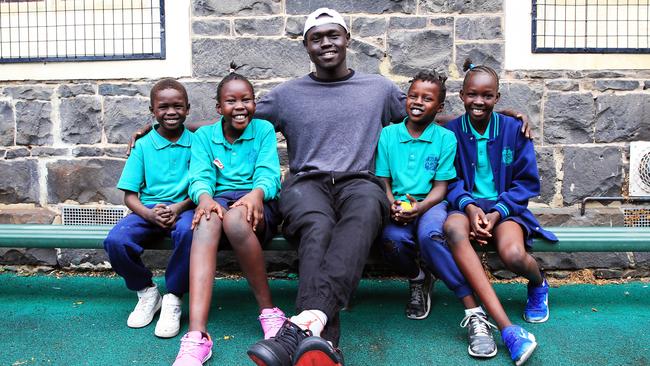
x: 519, y: 56
x: 178, y: 62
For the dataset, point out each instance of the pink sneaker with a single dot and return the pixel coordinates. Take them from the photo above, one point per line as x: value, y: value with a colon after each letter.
x: 271, y: 321
x: 195, y: 349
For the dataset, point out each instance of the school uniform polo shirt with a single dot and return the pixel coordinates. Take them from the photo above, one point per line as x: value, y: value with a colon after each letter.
x: 249, y: 162
x: 414, y: 163
x: 158, y: 169
x: 483, y: 179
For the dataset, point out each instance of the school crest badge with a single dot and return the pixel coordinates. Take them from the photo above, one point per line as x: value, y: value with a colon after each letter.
x: 431, y: 163
x: 507, y: 155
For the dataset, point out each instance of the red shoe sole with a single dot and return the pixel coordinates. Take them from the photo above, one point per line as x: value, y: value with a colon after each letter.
x: 315, y: 358
x: 257, y: 361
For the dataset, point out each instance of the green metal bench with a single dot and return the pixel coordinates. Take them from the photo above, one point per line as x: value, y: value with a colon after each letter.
x: 572, y: 239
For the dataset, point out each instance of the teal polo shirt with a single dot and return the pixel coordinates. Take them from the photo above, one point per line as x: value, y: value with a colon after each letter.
x: 158, y: 169
x: 483, y: 178
x: 249, y: 162
x: 413, y: 164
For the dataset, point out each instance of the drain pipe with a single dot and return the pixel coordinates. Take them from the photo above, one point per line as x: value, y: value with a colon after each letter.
x: 631, y: 199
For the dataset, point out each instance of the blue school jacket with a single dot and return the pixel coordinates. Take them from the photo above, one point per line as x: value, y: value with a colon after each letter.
x: 512, y: 159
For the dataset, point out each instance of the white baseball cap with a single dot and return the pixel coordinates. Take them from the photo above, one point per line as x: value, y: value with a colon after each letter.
x: 324, y: 16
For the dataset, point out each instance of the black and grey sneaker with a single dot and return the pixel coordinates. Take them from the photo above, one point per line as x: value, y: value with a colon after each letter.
x: 479, y: 335
x: 278, y: 350
x: 419, y: 304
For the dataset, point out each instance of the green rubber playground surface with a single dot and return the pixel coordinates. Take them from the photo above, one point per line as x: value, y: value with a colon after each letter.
x: 82, y: 321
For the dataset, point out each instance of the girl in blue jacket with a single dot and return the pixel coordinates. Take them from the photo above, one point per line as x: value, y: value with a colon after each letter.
x: 497, y: 175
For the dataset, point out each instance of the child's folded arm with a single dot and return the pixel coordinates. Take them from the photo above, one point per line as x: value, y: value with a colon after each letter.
x: 525, y: 181
x: 267, y: 166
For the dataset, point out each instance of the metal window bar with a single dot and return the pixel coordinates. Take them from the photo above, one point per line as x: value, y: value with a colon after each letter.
x: 590, y: 26
x: 81, y: 30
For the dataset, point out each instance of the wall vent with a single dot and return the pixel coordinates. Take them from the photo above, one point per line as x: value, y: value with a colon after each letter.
x: 640, y: 168
x: 636, y: 217
x: 92, y: 215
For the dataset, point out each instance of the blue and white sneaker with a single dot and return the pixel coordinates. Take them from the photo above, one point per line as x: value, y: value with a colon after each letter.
x: 536, y: 310
x: 520, y: 343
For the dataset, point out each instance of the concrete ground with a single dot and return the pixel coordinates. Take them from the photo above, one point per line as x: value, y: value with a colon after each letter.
x: 81, y: 320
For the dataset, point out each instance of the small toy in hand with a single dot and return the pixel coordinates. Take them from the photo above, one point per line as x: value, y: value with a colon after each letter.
x: 406, y: 205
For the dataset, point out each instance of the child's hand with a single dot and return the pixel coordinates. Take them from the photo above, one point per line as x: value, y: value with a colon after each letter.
x: 253, y: 201
x: 478, y: 224
x: 171, y: 214
x: 158, y: 215
x: 206, y: 206
x: 395, y: 209
x: 492, y: 218
x: 407, y: 216
x: 136, y: 135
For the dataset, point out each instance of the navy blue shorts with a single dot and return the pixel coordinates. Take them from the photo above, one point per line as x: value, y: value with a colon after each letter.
x: 487, y: 205
x: 272, y: 216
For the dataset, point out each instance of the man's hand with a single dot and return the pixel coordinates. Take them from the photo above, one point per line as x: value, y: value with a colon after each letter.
x: 253, y: 201
x: 206, y: 206
x: 136, y: 135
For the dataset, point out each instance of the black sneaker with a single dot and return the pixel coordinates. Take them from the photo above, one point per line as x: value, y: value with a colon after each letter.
x: 317, y: 351
x: 278, y: 350
x: 419, y: 305
x: 479, y: 335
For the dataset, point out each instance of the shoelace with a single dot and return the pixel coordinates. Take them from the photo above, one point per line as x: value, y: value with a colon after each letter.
x: 189, y: 345
x: 145, y: 304
x: 478, y: 322
x: 274, y: 320
x: 173, y: 311
x: 290, y: 335
x: 514, y: 341
x: 417, y: 293
x: 537, y: 299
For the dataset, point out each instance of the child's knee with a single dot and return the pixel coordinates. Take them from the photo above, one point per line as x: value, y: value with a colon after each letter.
x: 235, y: 224
x: 391, y: 248
x: 455, y: 234
x: 208, y: 227
x: 513, y: 257
x: 431, y: 233
x: 114, y: 244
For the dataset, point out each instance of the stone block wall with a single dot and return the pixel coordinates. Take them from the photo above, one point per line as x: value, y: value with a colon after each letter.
x: 65, y: 141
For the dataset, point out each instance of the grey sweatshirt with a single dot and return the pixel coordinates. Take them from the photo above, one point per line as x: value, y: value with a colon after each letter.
x: 333, y: 125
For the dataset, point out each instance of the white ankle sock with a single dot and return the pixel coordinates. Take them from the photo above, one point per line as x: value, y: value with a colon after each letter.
x: 419, y: 277
x: 478, y: 309
x: 313, y: 320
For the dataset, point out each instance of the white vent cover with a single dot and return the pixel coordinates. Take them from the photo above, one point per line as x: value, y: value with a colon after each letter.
x: 640, y: 168
x: 92, y: 215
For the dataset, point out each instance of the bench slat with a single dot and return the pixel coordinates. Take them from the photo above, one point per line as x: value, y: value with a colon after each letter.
x: 572, y: 239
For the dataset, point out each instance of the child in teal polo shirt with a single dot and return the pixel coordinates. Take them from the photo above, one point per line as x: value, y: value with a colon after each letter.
x: 415, y: 159
x: 235, y: 181
x: 155, y: 181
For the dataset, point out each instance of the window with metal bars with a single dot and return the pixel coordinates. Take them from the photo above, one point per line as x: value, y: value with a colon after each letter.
x: 81, y: 30
x: 591, y: 26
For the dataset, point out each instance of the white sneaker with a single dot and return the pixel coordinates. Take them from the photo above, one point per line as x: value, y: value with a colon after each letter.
x: 148, y: 304
x: 169, y: 323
